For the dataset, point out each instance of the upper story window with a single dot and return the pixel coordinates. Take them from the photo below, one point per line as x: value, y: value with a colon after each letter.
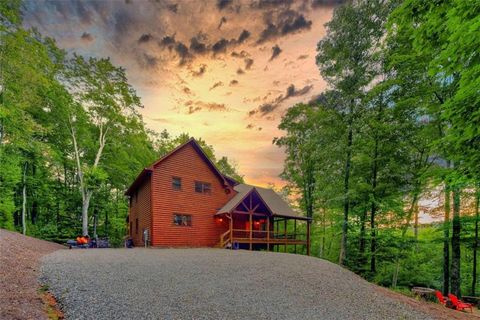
x: 176, y: 183
x: 184, y: 220
x: 203, y: 187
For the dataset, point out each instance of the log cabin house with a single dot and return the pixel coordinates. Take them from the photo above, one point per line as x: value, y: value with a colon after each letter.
x: 183, y: 200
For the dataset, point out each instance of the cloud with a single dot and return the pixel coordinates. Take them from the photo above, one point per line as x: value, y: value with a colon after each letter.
x: 195, y: 106
x: 200, y: 72
x: 283, y: 23
x: 173, y: 7
x: 269, y: 107
x: 182, y: 52
x: 302, y: 57
x: 241, y: 54
x: 275, y: 52
x: 197, y: 46
x: 147, y: 61
x: 240, y: 71
x: 144, y: 38
x: 167, y: 41
x: 326, y: 3
x: 222, y: 4
x: 220, y: 46
x: 222, y: 21
x: 250, y: 126
x: 233, y: 83
x: 87, y: 37
x: 187, y: 90
x: 243, y: 36
x: 216, y: 85
x: 248, y: 63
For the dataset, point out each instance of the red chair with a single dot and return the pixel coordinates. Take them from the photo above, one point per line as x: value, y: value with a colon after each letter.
x: 459, y: 305
x: 441, y: 298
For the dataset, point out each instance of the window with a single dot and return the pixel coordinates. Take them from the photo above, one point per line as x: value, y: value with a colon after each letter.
x: 176, y: 183
x: 183, y: 220
x: 203, y: 187
x: 136, y: 226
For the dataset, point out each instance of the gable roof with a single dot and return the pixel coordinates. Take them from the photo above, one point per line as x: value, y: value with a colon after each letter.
x: 191, y: 142
x: 272, y: 200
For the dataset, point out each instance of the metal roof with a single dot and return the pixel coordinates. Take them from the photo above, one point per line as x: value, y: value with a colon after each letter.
x: 272, y: 200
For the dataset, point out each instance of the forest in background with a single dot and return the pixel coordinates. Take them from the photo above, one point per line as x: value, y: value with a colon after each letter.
x: 71, y: 138
x: 400, y: 121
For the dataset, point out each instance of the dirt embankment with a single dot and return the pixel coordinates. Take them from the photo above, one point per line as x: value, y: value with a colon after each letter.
x: 21, y: 297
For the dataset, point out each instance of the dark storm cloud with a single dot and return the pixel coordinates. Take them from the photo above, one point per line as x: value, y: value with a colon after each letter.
x: 241, y: 54
x: 233, y: 83
x: 220, y: 46
x: 243, y: 36
x: 167, y: 41
x: 273, y: 105
x: 222, y: 4
x: 147, y: 61
x: 324, y: 3
x: 275, y: 52
x: 268, y: 4
x: 86, y: 37
x: 182, y: 52
x: 216, y: 85
x: 200, y: 71
x: 197, y: 46
x: 173, y: 7
x: 146, y: 37
x: 222, y: 21
x: 283, y: 23
x: 248, y: 63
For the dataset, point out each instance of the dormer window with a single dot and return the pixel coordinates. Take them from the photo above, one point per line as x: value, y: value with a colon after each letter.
x: 176, y: 183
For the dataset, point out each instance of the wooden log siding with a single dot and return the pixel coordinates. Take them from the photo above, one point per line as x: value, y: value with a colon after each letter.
x: 140, y: 209
x: 205, y: 230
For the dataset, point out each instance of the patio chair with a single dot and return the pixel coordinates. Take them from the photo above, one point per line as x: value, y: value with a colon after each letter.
x: 459, y: 305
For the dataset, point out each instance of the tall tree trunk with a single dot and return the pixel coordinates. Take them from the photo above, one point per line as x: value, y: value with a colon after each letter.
x: 346, y: 189
x: 362, y: 244
x: 24, y: 199
x: 415, y: 224
x: 475, y: 243
x: 85, y: 206
x: 373, y: 244
x: 446, y: 242
x: 456, y: 254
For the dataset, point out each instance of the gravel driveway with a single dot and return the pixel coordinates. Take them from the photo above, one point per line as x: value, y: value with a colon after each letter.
x: 212, y: 284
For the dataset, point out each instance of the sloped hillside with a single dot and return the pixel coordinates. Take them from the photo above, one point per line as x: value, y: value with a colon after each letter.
x: 19, y: 287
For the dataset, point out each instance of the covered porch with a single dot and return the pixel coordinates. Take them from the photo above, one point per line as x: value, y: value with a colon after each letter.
x: 258, y: 219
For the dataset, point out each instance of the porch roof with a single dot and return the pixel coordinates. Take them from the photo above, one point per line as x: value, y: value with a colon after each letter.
x: 272, y: 200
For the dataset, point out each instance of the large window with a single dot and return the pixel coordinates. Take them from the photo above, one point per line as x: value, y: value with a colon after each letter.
x: 203, y: 187
x: 176, y: 183
x: 184, y: 220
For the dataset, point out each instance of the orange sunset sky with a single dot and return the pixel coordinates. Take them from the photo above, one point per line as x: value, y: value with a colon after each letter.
x: 222, y: 70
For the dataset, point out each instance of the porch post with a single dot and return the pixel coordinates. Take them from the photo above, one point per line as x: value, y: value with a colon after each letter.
x: 308, y: 237
x: 268, y: 234
x: 285, y: 235
x: 231, y: 231
x: 251, y: 231
x: 295, y: 234
x: 276, y: 226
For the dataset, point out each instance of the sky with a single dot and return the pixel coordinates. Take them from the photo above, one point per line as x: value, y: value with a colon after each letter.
x: 221, y: 70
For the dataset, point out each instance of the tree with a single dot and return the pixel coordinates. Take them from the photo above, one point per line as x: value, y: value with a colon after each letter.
x: 103, y: 96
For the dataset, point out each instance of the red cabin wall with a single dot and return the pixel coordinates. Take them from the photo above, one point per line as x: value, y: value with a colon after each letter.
x: 187, y: 164
x: 140, y: 209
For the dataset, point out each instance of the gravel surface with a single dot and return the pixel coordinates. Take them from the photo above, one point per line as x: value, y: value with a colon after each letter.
x: 214, y: 284
x: 19, y: 255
